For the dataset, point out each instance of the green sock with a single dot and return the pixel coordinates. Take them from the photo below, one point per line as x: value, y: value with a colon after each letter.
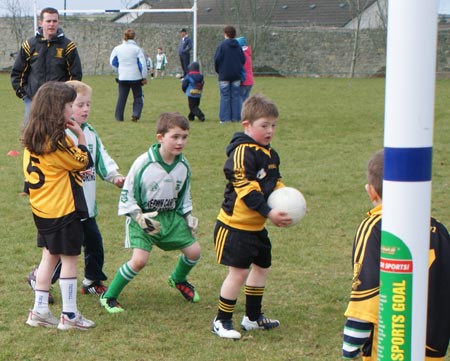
x: 182, y: 269
x: 123, y: 276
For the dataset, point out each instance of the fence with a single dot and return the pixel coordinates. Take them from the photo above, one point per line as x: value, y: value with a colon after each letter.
x: 317, y: 52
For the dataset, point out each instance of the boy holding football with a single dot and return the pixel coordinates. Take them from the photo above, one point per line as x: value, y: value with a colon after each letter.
x: 240, y: 238
x: 361, y: 327
x: 157, y: 202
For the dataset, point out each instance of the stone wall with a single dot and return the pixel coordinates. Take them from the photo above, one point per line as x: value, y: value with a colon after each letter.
x: 320, y: 52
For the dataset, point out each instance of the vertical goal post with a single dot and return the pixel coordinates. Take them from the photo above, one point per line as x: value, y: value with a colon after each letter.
x: 193, y: 10
x: 408, y: 144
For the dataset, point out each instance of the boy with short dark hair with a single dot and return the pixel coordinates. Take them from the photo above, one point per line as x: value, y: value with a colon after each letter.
x: 157, y: 202
x: 240, y: 238
x: 361, y: 327
x: 192, y: 86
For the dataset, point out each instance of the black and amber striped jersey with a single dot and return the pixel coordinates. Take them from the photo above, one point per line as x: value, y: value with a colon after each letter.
x: 54, y: 184
x: 364, y: 296
x: 364, y: 299
x: 252, y: 172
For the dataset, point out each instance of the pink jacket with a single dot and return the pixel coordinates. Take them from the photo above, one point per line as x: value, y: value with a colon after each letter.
x: 248, y: 66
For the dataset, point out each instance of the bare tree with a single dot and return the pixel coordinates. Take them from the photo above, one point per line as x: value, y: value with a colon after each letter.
x: 357, y: 8
x: 382, y: 13
x: 379, y: 37
x: 251, y: 17
x: 18, y: 13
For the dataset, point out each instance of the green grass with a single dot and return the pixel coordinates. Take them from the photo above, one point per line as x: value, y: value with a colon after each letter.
x: 327, y: 130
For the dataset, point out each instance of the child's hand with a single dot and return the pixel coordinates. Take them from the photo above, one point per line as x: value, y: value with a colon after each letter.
x: 119, y: 180
x: 192, y: 223
x: 279, y: 218
x: 147, y: 223
x: 87, y: 172
x: 74, y: 126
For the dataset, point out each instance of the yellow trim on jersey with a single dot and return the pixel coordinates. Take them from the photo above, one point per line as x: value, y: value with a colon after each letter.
x: 220, y: 242
x: 238, y: 215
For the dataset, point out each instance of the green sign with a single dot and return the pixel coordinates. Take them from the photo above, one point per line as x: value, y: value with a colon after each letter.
x: 395, y: 316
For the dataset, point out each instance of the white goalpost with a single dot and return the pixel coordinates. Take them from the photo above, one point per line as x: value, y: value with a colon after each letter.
x: 136, y: 13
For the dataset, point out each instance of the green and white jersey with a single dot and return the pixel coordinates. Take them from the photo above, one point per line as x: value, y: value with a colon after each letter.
x: 152, y: 185
x: 104, y: 166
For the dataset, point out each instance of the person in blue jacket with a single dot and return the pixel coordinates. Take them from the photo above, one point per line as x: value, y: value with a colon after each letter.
x: 192, y: 86
x: 229, y: 60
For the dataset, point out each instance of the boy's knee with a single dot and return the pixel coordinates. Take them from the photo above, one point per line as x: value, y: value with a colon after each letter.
x: 137, y: 264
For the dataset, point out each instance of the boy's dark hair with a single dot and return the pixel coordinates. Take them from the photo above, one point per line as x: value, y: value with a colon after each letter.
x: 194, y: 66
x: 258, y: 106
x: 48, y: 11
x: 375, y: 168
x: 45, y: 130
x: 169, y: 120
x: 230, y: 31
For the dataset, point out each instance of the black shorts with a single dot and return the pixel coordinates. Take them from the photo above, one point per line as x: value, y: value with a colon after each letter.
x: 238, y: 248
x: 67, y: 240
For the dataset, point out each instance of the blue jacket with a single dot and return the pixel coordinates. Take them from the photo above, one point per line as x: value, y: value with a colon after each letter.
x: 229, y: 60
x: 185, y: 45
x: 192, y: 84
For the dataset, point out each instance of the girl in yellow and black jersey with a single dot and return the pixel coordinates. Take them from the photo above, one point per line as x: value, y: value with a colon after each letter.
x: 52, y: 165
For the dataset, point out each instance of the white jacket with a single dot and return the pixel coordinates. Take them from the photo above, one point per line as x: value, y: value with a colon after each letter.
x: 129, y: 61
x: 104, y: 166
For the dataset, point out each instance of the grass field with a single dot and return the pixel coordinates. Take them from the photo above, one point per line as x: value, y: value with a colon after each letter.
x: 327, y: 130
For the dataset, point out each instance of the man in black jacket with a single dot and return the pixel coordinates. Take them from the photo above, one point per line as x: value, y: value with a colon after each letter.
x: 48, y: 55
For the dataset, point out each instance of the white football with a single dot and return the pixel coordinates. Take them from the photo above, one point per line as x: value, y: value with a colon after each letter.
x: 290, y: 200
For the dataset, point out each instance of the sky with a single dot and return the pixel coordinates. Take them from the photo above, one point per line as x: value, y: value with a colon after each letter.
x: 444, y: 5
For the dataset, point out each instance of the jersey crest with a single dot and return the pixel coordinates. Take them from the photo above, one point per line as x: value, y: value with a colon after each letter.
x: 59, y: 52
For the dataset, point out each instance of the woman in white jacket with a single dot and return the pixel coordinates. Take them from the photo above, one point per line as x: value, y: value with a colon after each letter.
x: 129, y: 61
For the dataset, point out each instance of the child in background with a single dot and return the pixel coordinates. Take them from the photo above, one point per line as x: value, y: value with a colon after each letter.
x: 52, y: 164
x: 192, y: 86
x: 150, y: 67
x: 240, y: 238
x: 156, y: 200
x: 361, y: 327
x: 161, y: 62
x: 247, y: 82
x: 104, y: 167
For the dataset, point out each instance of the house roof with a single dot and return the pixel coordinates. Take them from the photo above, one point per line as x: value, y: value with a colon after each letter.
x: 290, y: 13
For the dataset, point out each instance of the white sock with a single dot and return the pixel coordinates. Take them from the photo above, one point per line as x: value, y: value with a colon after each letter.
x: 68, y: 288
x: 41, y: 301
